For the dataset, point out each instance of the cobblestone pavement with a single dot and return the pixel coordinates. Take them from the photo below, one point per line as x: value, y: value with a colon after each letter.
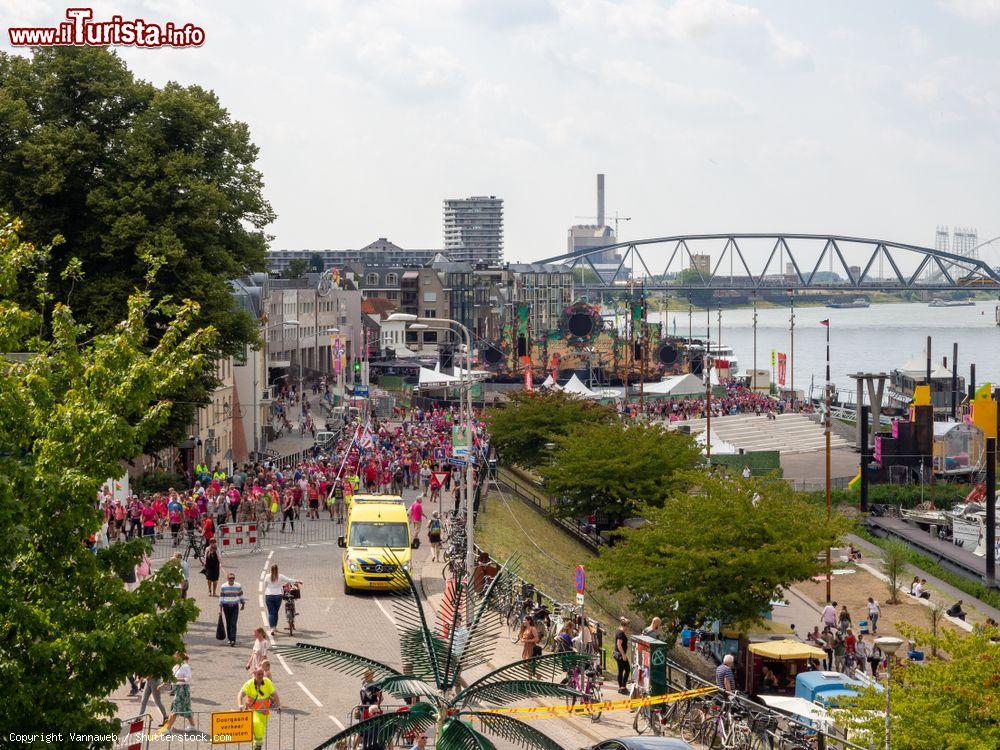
x: 319, y: 701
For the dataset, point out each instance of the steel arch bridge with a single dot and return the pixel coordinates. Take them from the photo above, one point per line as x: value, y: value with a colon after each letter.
x: 812, y: 260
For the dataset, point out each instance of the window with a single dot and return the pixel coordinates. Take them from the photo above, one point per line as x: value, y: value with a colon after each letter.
x: 430, y: 337
x: 430, y: 297
x: 429, y: 314
x: 391, y: 279
x: 371, y: 279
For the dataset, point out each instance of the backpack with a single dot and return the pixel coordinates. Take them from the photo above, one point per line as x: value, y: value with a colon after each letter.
x: 434, y: 530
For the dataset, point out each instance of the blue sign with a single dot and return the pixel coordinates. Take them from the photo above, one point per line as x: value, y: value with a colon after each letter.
x: 361, y: 390
x: 581, y: 579
x: 455, y: 461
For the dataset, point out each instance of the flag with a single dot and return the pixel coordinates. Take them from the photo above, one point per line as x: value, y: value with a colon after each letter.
x: 825, y: 322
x: 367, y: 439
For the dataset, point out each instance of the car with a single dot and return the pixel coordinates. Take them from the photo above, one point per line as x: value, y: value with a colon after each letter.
x: 325, y: 437
x: 377, y: 541
x: 641, y: 743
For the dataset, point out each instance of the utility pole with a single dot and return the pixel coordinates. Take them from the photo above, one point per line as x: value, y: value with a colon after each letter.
x: 791, y: 361
x: 826, y: 435
x: 753, y: 376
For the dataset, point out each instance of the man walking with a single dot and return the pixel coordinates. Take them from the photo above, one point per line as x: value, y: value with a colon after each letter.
x: 152, y: 690
x: 231, y: 601
x: 416, y: 517
x: 873, y: 612
x: 724, y: 677
x: 257, y: 695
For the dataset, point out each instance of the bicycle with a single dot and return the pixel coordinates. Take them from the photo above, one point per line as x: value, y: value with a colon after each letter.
x: 588, y: 682
x: 289, y: 593
x: 197, y: 545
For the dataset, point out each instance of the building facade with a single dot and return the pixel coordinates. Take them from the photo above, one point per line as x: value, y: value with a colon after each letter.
x: 381, y: 252
x: 473, y: 229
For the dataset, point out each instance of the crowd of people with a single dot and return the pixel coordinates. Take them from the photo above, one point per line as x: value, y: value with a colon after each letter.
x: 739, y: 399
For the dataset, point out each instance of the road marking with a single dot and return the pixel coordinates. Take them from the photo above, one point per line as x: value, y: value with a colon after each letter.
x: 260, y: 599
x: 311, y: 696
x: 260, y: 583
x: 281, y: 659
x: 336, y: 721
x: 385, y: 612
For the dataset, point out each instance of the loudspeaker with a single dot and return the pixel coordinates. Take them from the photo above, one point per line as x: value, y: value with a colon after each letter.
x: 446, y: 356
x: 492, y: 355
x: 522, y: 346
x: 580, y: 324
x: 697, y: 364
x: 637, y: 351
x: 667, y: 354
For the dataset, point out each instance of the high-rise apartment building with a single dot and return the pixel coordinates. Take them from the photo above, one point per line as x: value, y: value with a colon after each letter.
x: 473, y: 229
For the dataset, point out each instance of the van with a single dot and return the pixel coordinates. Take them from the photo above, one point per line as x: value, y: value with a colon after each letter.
x: 377, y: 539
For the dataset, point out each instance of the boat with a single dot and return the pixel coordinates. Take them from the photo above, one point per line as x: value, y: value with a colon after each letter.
x: 936, y: 302
x: 857, y: 302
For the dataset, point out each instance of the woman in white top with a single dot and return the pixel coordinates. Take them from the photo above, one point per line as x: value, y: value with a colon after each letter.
x: 181, y: 703
x: 259, y: 654
x: 273, y: 592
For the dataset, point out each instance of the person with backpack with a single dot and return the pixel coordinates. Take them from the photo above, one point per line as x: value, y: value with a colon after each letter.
x: 434, y: 536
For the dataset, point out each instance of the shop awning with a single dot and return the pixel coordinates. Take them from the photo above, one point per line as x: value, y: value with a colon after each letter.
x: 786, y: 650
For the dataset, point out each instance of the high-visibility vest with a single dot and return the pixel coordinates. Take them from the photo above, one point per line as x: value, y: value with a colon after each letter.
x: 258, y: 700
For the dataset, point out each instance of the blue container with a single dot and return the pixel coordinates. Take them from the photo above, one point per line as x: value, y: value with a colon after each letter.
x: 686, y: 637
x: 915, y: 655
x: 863, y: 624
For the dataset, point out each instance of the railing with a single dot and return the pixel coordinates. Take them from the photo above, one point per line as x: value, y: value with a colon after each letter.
x: 280, y: 734
x: 585, y: 533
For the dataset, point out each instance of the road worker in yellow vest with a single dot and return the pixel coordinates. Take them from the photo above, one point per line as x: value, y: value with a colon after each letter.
x: 258, y: 695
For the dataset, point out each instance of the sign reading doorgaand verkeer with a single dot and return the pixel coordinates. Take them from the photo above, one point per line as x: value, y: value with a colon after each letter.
x: 231, y: 727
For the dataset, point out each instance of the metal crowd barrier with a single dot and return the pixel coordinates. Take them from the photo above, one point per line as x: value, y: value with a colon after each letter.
x: 280, y: 735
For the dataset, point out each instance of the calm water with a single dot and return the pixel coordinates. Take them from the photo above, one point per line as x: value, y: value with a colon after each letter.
x: 879, y: 338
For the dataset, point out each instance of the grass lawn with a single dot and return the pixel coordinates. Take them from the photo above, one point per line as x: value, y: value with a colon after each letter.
x: 546, y: 556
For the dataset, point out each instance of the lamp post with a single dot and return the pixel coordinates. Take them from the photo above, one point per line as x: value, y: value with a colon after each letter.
x: 256, y: 383
x: 889, y: 646
x: 466, y: 381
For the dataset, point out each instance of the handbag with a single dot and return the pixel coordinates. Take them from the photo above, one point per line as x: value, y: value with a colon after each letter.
x: 220, y: 629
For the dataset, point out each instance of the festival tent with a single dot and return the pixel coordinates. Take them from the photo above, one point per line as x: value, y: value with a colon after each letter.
x: 719, y: 446
x: 473, y: 374
x: 436, y: 379
x: 549, y: 382
x: 576, y: 387
x: 676, y: 385
x: 786, y: 650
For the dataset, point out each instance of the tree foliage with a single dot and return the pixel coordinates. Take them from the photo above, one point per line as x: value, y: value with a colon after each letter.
x: 296, y: 269
x: 718, y: 549
x: 522, y: 427
x: 941, y: 704
x: 123, y: 171
x: 71, y: 411
x: 612, y: 468
x: 895, y: 556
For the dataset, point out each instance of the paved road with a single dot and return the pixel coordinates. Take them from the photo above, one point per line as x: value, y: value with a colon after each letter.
x: 320, y: 700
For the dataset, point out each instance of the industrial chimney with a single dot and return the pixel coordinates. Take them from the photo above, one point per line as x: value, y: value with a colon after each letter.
x: 600, y: 200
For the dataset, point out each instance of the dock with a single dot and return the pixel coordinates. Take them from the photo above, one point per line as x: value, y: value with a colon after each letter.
x: 946, y: 554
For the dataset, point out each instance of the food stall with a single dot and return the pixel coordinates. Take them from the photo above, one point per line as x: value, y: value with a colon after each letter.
x: 772, y: 667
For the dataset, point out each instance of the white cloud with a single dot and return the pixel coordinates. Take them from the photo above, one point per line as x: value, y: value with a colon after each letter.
x: 976, y: 10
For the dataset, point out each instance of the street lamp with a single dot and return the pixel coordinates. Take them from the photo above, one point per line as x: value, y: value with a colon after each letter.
x: 889, y: 646
x: 466, y: 383
x: 256, y: 383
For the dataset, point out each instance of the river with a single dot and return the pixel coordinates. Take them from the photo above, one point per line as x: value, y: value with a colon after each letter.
x: 879, y: 338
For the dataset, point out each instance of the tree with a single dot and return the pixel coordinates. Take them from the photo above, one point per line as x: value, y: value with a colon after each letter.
x: 718, y: 549
x: 297, y: 268
x: 895, y: 556
x: 697, y: 297
x: 434, y: 660
x: 522, y: 427
x: 316, y: 263
x: 124, y: 170
x: 942, y: 704
x: 612, y: 468
x: 72, y: 409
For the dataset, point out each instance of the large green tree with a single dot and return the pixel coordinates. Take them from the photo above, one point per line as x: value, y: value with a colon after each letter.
x: 73, y: 408
x: 529, y: 420
x: 951, y: 703
x: 122, y: 170
x: 612, y: 468
x: 718, y: 549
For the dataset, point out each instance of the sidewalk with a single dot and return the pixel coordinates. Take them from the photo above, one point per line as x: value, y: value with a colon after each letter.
x: 568, y: 731
x: 947, y: 594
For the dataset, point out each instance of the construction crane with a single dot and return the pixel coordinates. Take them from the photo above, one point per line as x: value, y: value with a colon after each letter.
x: 616, y: 218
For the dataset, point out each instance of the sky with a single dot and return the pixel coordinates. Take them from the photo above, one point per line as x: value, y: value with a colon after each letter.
x: 877, y: 119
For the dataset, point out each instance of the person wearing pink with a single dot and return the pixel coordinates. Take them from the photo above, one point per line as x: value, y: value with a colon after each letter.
x: 416, y: 516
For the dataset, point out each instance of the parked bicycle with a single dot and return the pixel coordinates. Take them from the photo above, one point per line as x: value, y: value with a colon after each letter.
x: 588, y: 681
x: 195, y: 544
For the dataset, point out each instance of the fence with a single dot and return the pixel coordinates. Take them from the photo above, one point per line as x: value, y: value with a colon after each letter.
x: 134, y: 734
x: 584, y: 532
x: 280, y: 734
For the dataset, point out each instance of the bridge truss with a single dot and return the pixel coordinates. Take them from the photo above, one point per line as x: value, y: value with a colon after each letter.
x: 791, y: 262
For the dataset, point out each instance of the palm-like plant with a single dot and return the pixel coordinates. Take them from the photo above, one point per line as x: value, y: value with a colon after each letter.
x: 433, y: 661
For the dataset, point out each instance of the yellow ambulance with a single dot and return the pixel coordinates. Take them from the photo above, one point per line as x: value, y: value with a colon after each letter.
x: 377, y: 539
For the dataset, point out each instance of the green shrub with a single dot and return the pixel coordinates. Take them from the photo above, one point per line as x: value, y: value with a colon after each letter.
x: 157, y: 480
x: 943, y: 494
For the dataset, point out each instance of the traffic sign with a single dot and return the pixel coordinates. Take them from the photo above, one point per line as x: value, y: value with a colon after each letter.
x: 579, y: 599
x: 231, y: 727
x: 438, y: 479
x: 456, y: 461
x: 581, y: 579
x: 361, y: 390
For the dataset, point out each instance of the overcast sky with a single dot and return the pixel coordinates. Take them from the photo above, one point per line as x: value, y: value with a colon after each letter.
x: 870, y: 118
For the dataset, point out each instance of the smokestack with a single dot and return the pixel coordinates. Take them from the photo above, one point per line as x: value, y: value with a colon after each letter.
x: 600, y: 200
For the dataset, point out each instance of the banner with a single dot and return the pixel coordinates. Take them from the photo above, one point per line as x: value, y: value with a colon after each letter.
x: 625, y: 704
x: 522, y: 319
x: 782, y: 367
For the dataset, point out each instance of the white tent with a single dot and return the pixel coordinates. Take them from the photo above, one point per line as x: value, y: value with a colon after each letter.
x: 719, y: 446
x: 550, y: 383
x: 676, y: 385
x: 473, y: 374
x: 576, y: 387
x: 435, y: 379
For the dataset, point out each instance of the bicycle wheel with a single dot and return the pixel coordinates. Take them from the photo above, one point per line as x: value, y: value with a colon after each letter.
x: 691, y: 725
x: 642, y: 720
x: 593, y: 702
